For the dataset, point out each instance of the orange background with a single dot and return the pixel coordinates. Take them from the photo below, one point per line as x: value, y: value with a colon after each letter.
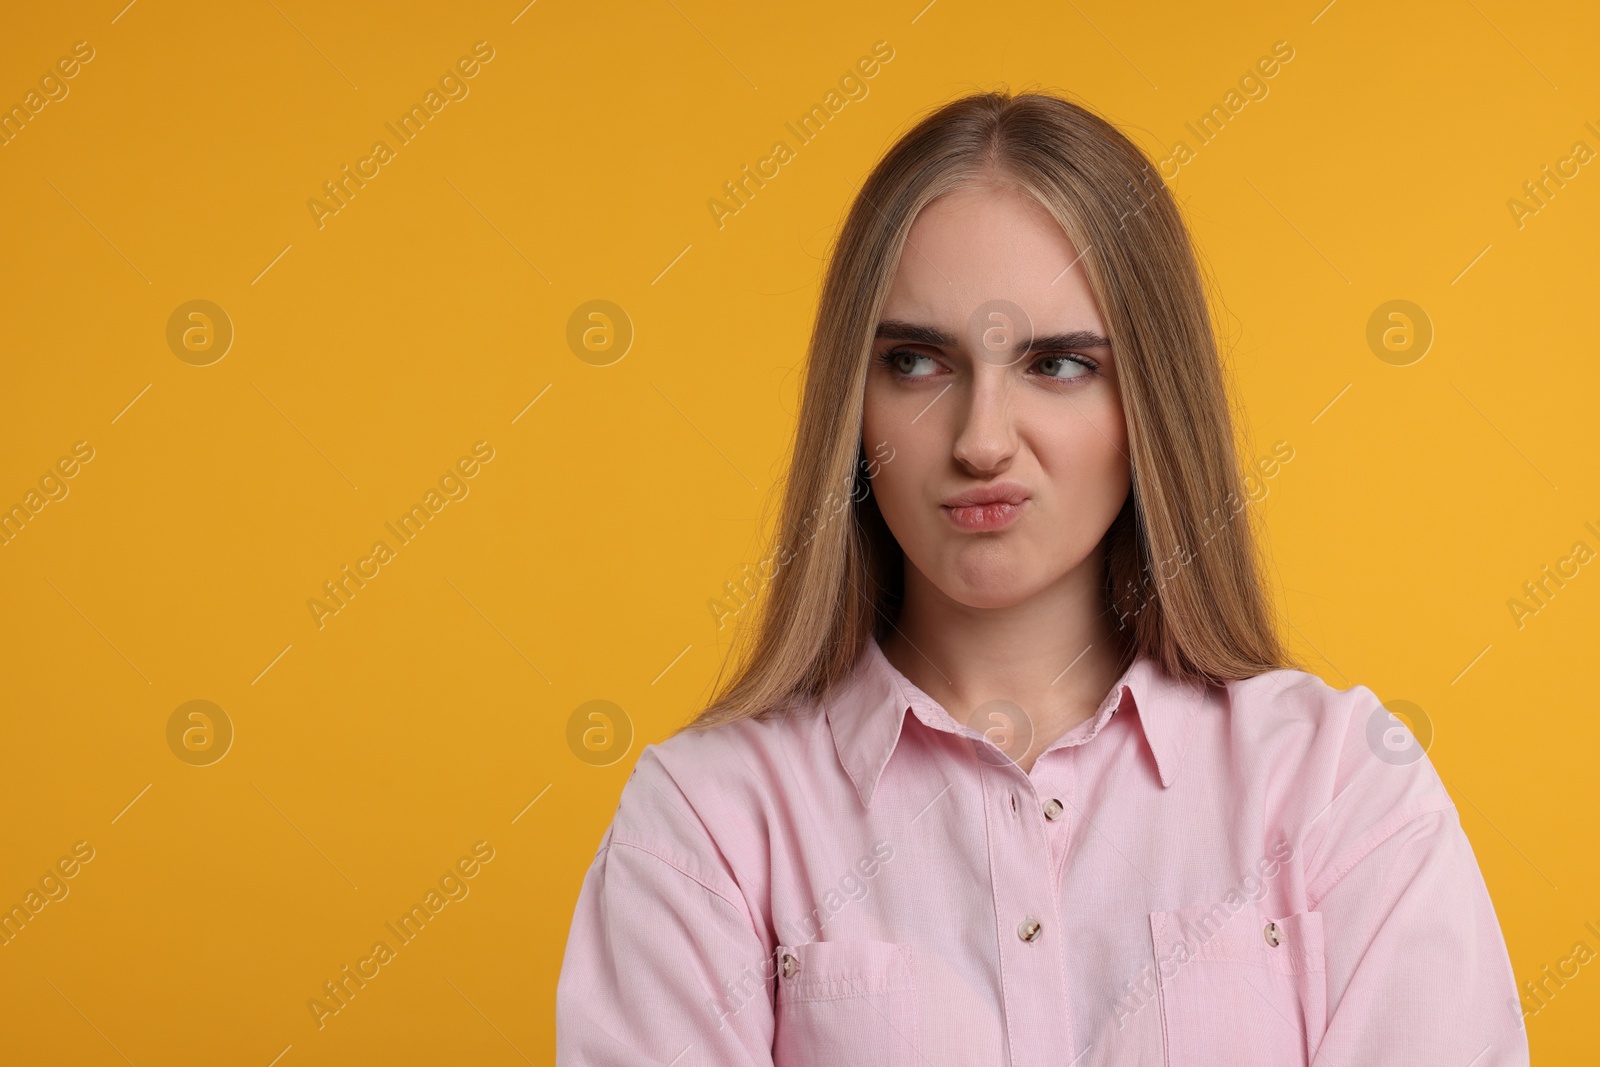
x: 372, y: 352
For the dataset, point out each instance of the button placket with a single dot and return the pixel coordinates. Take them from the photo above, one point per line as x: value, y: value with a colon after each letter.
x: 1057, y: 819
x: 1022, y: 866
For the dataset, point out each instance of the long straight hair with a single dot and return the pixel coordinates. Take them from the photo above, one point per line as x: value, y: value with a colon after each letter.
x: 1182, y: 577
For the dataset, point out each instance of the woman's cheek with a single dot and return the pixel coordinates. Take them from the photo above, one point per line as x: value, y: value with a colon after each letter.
x: 896, y: 490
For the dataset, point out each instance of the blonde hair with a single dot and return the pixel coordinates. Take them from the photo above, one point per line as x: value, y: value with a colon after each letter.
x: 1209, y: 618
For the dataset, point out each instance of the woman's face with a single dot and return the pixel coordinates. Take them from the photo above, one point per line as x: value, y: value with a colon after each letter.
x: 992, y: 375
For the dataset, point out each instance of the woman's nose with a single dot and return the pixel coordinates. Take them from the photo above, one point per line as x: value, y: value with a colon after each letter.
x: 987, y: 436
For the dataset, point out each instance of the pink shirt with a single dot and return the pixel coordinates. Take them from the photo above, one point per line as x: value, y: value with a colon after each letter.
x: 1265, y: 873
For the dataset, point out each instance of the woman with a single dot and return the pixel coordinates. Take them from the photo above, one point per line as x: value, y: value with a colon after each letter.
x: 1015, y: 770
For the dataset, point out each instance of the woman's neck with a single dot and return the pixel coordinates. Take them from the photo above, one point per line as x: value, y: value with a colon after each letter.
x: 1053, y: 656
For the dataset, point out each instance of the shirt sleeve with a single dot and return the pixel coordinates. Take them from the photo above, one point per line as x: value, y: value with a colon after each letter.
x: 663, y: 962
x: 1417, y: 967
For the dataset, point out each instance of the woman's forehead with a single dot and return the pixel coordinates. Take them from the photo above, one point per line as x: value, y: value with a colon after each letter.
x: 988, y: 242
x: 983, y: 244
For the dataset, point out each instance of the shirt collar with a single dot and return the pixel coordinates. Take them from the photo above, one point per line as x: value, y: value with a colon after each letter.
x: 867, y: 712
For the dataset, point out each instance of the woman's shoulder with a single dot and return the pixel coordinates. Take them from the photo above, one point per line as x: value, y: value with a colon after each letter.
x: 1288, y: 709
x: 705, y: 791
x: 1294, y: 691
x: 1289, y: 706
x: 1356, y: 766
x: 737, y: 753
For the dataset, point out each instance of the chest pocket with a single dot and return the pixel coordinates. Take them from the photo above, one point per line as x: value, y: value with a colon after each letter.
x: 841, y: 1003
x: 1239, y: 987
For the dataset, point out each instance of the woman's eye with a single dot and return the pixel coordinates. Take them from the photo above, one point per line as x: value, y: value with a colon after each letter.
x: 908, y: 364
x: 1063, y: 367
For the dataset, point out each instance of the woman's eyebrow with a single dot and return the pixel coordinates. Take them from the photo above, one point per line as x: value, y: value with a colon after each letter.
x: 1071, y: 339
x: 898, y: 330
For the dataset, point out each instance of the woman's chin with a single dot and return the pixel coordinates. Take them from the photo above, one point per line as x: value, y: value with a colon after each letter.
x: 989, y: 590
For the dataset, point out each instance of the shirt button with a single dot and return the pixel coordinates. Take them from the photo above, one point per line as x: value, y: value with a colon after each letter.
x: 790, y: 965
x: 1273, y: 934
x: 1052, y: 809
x: 1029, y: 930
